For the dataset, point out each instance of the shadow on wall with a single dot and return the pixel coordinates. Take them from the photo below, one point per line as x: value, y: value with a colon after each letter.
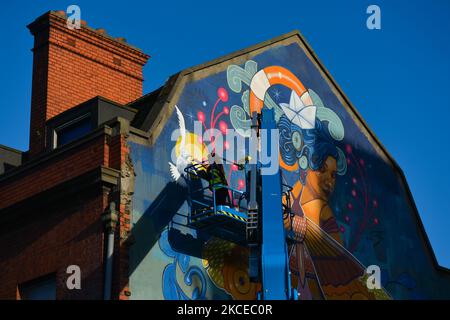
x: 155, y: 218
x: 47, y: 237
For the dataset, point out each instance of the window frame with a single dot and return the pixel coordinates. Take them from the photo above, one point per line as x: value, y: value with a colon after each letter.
x: 65, y: 125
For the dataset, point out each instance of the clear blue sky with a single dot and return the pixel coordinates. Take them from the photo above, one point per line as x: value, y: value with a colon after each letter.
x: 398, y: 77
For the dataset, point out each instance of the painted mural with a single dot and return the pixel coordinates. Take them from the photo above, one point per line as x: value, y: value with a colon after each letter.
x: 344, y: 190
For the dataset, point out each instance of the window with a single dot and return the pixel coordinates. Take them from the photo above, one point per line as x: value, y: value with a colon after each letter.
x: 72, y: 130
x: 43, y: 288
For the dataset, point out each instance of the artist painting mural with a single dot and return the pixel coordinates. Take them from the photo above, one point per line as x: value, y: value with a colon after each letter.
x: 349, y: 208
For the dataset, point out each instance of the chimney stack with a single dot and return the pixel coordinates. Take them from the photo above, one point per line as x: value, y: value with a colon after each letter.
x: 71, y: 66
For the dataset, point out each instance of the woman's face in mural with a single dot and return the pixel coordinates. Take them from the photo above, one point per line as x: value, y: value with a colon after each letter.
x: 324, y: 179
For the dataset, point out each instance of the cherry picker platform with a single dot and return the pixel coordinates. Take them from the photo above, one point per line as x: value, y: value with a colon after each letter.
x: 252, y: 218
x: 206, y: 215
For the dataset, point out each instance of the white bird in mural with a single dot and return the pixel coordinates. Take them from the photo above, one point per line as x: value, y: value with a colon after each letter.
x: 300, y: 110
x: 184, y: 159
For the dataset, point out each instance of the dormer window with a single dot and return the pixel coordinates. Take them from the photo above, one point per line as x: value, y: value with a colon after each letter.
x: 72, y: 130
x: 79, y: 121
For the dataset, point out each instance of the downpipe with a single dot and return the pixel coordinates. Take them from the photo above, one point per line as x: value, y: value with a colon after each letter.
x: 109, y: 218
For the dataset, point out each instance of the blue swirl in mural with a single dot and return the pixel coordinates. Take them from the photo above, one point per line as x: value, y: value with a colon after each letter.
x: 317, y: 144
x: 288, y: 151
x: 170, y: 286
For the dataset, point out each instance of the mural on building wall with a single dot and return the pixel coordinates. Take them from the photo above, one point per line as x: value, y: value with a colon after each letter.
x: 356, y: 218
x: 310, y: 160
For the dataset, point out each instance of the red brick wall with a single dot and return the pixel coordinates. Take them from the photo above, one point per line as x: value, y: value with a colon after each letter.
x: 72, y: 66
x: 48, y: 239
x: 53, y: 238
x: 71, y: 232
x: 52, y: 173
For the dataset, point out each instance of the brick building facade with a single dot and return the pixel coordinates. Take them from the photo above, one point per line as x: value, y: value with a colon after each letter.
x: 53, y: 198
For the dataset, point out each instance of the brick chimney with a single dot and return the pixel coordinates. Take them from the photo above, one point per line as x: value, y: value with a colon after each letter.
x: 72, y: 66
